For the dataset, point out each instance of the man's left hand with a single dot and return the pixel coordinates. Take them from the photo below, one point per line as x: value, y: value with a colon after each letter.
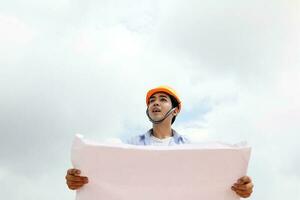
x: 243, y: 187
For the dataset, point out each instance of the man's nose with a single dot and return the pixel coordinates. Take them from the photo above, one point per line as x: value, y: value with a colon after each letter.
x: 156, y: 103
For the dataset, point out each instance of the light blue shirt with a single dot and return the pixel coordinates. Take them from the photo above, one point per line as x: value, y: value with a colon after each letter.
x: 145, y: 139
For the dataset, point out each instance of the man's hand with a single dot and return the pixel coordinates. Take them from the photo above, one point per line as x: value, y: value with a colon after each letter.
x: 243, y: 187
x: 74, y: 181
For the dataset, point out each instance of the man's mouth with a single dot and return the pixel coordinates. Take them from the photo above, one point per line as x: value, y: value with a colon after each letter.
x: 156, y: 110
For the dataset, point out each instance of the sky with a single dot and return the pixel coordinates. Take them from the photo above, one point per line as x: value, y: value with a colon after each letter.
x: 84, y: 67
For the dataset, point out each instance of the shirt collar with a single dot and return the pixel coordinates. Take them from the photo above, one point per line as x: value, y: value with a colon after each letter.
x: 176, y: 137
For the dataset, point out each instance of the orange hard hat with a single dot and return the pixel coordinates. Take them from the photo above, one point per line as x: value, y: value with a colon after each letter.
x: 164, y: 89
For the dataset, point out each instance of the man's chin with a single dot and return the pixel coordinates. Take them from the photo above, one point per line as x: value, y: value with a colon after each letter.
x: 156, y: 117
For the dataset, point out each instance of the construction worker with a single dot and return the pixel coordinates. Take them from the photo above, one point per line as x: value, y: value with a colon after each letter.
x: 163, y: 105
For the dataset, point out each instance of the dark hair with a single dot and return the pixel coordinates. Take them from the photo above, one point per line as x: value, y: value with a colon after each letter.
x: 174, y: 105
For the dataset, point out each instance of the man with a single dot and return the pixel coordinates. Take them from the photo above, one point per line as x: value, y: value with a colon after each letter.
x: 163, y: 105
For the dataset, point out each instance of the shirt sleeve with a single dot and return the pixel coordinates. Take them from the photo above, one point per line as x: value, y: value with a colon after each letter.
x: 136, y: 140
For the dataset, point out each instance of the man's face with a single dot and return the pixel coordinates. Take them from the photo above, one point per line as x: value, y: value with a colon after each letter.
x: 159, y: 104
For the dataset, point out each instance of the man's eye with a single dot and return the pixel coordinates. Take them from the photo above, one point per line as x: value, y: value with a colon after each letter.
x: 163, y: 100
x: 151, y: 100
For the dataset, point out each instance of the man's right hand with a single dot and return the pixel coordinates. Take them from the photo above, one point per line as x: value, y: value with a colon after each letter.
x: 74, y: 180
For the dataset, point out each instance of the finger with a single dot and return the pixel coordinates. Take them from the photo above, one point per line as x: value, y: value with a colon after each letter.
x: 244, y: 179
x: 72, y: 187
x: 243, y: 191
x: 243, y: 194
x: 77, y: 178
x: 74, y: 171
x: 243, y: 186
x: 75, y: 184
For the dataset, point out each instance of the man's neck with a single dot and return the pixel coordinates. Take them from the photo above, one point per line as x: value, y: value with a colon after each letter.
x: 162, y: 131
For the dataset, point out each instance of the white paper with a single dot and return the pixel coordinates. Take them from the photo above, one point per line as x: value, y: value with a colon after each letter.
x: 182, y: 172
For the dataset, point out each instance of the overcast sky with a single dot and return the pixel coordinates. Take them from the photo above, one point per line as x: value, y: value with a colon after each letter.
x: 84, y: 67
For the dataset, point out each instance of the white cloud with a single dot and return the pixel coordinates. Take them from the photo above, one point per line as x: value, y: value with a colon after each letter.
x: 73, y: 67
x: 15, y: 37
x: 108, y: 44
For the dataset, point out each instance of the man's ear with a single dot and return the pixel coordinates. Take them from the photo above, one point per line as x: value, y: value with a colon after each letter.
x: 175, y: 112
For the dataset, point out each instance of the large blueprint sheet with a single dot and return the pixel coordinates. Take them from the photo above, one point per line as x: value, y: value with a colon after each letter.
x: 183, y: 172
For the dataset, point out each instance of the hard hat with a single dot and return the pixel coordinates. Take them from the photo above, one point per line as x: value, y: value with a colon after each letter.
x: 164, y: 89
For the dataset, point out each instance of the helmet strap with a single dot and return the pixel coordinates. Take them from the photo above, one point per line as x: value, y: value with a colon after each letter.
x: 161, y: 120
